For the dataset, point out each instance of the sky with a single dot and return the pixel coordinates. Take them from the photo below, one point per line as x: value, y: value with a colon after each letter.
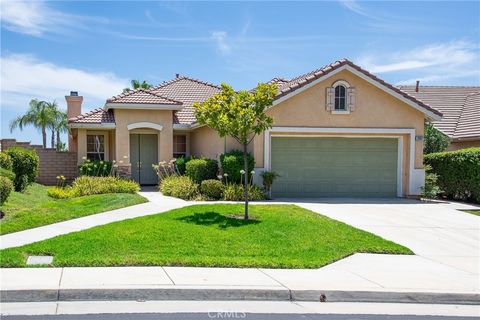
x: 49, y: 48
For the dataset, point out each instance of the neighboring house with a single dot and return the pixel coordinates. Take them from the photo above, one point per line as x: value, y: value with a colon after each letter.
x: 461, y: 112
x: 338, y: 131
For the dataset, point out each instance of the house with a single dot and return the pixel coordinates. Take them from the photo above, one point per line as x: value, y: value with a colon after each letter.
x: 461, y: 112
x: 338, y: 131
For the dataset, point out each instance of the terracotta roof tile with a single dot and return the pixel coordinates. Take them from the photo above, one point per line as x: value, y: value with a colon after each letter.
x: 96, y: 116
x: 459, y: 105
x: 142, y: 96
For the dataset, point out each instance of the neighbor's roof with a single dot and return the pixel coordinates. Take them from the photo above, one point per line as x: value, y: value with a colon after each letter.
x: 296, y: 83
x: 142, y: 96
x: 96, y: 116
x: 460, y: 107
x: 188, y: 91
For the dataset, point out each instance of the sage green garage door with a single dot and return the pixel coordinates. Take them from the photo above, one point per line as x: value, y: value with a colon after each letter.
x: 334, y: 167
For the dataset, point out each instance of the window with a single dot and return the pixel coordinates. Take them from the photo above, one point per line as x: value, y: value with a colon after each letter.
x: 95, y: 147
x: 340, y: 97
x: 179, y: 146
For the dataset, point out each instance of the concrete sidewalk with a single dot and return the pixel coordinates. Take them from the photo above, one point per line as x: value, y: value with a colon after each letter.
x: 158, y: 203
x: 358, y: 278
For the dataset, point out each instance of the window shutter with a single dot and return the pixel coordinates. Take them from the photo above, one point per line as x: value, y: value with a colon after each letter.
x: 330, y: 97
x: 351, y: 99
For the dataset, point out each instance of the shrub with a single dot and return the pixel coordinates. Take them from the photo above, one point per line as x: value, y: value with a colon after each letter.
x: 434, y: 140
x: 96, y: 168
x: 268, y: 178
x: 6, y: 187
x: 201, y: 169
x: 431, y: 189
x: 85, y: 185
x: 213, y: 189
x: 458, y: 173
x: 5, y: 161
x: 234, y: 192
x: 181, y: 164
x: 7, y: 174
x: 232, y: 163
x: 25, y: 164
x: 181, y: 187
x: 165, y: 169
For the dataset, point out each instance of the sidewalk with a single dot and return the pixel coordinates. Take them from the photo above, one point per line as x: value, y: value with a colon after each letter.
x: 157, y: 204
x: 358, y: 278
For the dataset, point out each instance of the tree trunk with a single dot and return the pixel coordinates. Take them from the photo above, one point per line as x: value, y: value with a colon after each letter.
x: 44, y: 137
x: 53, y: 139
x: 245, y: 182
x: 58, y: 140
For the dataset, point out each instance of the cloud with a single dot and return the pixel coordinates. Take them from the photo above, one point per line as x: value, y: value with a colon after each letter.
x: 37, y: 18
x: 355, y: 7
x: 24, y: 77
x: 220, y: 38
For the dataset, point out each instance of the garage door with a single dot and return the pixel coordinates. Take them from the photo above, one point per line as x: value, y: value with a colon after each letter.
x: 334, y: 167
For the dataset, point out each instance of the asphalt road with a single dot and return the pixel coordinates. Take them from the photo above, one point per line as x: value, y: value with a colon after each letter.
x: 232, y: 315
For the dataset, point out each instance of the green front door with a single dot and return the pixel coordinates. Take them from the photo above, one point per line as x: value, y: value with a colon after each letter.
x: 143, y: 154
x: 334, y: 167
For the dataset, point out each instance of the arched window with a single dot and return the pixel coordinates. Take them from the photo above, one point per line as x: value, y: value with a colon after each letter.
x: 340, y: 97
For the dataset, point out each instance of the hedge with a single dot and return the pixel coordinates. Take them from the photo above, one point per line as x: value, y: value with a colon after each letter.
x: 25, y: 164
x: 232, y: 164
x: 458, y: 173
x: 201, y: 169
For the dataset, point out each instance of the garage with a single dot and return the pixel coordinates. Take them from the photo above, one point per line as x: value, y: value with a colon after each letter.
x: 312, y: 167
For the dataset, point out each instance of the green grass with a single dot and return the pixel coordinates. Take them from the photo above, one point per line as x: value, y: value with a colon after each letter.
x: 34, y: 208
x: 475, y: 212
x: 281, y: 236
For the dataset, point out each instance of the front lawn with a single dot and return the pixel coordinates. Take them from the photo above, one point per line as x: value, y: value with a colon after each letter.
x: 34, y: 208
x: 280, y: 236
x: 475, y: 212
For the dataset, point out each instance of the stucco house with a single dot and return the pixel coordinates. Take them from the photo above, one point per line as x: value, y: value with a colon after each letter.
x: 460, y: 106
x: 339, y: 131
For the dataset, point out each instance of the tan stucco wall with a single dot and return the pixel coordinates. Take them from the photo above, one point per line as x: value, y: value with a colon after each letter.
x: 457, y: 145
x: 374, y: 109
x: 122, y: 134
x: 81, y: 144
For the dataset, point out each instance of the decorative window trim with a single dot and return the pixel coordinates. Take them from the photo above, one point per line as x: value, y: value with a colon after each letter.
x: 341, y: 83
x: 349, y: 98
x: 340, y: 111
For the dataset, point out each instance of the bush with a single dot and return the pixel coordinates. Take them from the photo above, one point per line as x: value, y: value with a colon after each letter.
x: 458, y: 173
x: 234, y: 192
x: 232, y: 163
x: 5, y: 161
x: 25, y: 164
x: 181, y: 187
x: 6, y: 187
x: 7, y: 174
x: 431, y: 189
x: 434, y: 140
x: 201, y: 169
x: 213, y: 189
x: 85, y: 185
x: 181, y: 164
x: 96, y: 168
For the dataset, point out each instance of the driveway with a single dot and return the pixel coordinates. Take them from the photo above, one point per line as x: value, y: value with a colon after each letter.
x: 435, y: 231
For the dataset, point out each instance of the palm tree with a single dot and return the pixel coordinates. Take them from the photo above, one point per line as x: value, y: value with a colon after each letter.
x: 61, y: 125
x: 38, y: 115
x: 136, y: 84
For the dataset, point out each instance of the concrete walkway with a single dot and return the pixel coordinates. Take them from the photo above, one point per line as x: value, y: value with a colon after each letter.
x: 157, y: 204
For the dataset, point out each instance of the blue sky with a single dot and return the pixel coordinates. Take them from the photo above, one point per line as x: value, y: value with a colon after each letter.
x: 50, y: 48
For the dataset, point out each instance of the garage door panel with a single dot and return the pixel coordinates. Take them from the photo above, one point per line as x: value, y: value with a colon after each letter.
x: 334, y: 167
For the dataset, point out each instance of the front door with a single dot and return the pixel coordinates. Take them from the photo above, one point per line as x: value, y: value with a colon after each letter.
x: 143, y: 154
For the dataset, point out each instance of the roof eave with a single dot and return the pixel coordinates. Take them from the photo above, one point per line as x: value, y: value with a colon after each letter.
x: 143, y: 106
x: 92, y: 125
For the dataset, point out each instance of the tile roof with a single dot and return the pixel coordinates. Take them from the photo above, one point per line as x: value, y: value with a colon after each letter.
x: 96, y: 116
x: 188, y: 91
x: 300, y: 81
x: 460, y: 107
x: 142, y: 96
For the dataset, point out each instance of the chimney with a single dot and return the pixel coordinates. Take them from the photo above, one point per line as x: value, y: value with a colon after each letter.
x: 417, y: 86
x: 74, y: 104
x: 177, y: 75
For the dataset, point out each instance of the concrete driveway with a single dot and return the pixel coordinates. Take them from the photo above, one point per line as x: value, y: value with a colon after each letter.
x: 435, y: 231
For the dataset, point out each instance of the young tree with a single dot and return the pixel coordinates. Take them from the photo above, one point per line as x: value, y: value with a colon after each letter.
x: 434, y: 140
x: 240, y: 115
x: 39, y: 115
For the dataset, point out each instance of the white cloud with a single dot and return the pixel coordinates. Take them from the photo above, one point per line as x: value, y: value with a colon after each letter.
x: 353, y: 6
x: 24, y: 77
x: 220, y: 38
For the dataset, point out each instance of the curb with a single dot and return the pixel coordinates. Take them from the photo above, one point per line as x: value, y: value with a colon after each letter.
x: 225, y: 294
